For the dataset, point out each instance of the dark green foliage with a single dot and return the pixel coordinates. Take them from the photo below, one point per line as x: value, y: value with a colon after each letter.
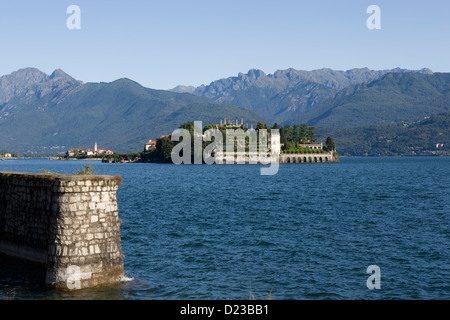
x: 303, y: 133
x: 164, y: 148
x: 188, y: 126
x: 329, y: 143
x: 418, y: 138
x: 122, y: 157
x: 261, y: 125
x: 276, y: 126
x: 311, y: 135
x: 299, y: 134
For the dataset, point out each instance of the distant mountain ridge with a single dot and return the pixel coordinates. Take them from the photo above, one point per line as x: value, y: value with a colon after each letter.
x: 395, y: 97
x: 52, y: 113
x: 31, y: 81
x: 286, y: 93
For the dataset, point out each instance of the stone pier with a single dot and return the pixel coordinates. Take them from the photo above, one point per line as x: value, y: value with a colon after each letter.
x: 67, y: 223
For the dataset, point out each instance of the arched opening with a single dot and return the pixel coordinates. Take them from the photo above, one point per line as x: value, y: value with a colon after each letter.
x: 315, y: 159
x: 304, y: 159
x: 320, y: 159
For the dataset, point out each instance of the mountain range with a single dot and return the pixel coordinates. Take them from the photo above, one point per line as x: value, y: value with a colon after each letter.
x: 52, y: 113
x: 292, y: 94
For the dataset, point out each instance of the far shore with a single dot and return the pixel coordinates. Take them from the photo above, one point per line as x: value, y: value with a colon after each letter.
x: 65, y: 159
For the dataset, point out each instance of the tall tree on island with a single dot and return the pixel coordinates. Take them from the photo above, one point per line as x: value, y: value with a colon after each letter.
x: 303, y: 133
x: 296, y: 133
x: 276, y: 126
x: 330, y: 144
x: 312, y: 135
x: 261, y: 125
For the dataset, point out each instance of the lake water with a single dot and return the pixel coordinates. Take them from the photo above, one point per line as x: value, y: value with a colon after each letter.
x: 308, y: 232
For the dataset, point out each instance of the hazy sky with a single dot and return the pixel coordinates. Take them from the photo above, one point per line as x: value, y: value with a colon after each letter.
x: 161, y: 44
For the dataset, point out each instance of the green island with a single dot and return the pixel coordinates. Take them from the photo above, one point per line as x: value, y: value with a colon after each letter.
x: 298, y: 139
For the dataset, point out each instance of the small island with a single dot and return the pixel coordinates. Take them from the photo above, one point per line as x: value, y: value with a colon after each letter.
x: 88, y: 154
x: 297, y: 144
x: 96, y: 153
x: 8, y: 155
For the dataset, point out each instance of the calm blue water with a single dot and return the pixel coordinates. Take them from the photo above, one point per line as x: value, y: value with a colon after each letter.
x: 309, y: 232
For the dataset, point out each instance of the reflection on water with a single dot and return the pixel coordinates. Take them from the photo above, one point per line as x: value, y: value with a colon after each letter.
x: 20, y: 279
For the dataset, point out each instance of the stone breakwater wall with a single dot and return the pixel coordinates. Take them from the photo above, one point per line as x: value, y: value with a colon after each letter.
x: 67, y: 223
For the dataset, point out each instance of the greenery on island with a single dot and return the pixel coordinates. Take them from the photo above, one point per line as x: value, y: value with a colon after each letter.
x: 13, y: 155
x: 80, y: 156
x: 291, y: 140
x: 329, y: 143
x: 162, y: 152
x: 294, y: 138
x: 122, y: 157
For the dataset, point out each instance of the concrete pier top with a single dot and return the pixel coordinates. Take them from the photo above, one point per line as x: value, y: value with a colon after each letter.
x: 52, y: 177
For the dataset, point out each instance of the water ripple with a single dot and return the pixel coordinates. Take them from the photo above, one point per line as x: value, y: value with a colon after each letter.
x: 309, y: 232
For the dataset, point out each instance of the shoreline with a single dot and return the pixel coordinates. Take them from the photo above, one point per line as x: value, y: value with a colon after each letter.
x: 340, y: 156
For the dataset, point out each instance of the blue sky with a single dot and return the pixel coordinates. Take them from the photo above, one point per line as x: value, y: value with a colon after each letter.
x: 161, y: 44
